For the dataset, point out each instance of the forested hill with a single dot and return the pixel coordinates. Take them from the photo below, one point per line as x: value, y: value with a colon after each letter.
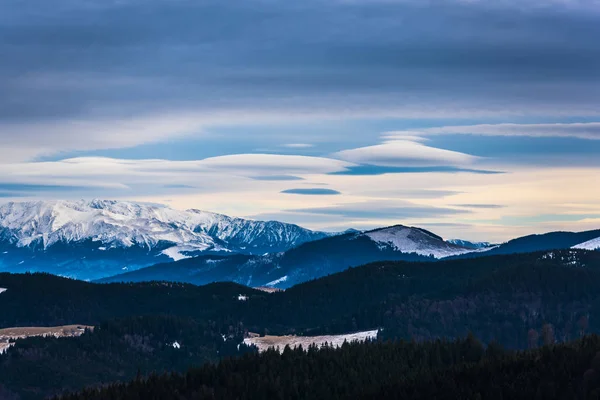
x: 520, y: 301
x: 47, y: 300
x: 462, y: 369
x: 498, y: 297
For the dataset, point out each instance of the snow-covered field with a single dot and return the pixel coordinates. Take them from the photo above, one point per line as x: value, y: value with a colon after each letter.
x: 8, y: 334
x: 279, y: 342
x: 593, y: 244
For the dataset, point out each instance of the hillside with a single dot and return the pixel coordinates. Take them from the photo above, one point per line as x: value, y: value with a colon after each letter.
x: 546, y: 241
x: 308, y: 261
x: 470, y: 291
x: 516, y: 300
x: 462, y: 369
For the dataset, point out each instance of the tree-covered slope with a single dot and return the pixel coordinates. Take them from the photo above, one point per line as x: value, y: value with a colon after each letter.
x: 520, y: 301
x: 116, y: 350
x: 462, y: 369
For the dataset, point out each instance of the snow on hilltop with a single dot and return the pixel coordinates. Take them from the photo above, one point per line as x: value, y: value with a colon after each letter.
x: 125, y: 224
x: 593, y: 244
x: 279, y: 342
x: 470, y: 245
x: 415, y: 240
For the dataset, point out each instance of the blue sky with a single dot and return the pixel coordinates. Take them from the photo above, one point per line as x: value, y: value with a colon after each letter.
x: 474, y: 119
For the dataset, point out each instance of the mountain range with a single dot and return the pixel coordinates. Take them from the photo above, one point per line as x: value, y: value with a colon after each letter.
x: 307, y: 261
x: 112, y: 241
x: 93, y: 239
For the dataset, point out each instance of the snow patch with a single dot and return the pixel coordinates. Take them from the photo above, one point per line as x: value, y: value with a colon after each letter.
x: 175, y: 253
x: 242, y: 297
x: 176, y: 345
x: 279, y: 342
x: 593, y: 244
x: 2, y: 290
x: 277, y: 281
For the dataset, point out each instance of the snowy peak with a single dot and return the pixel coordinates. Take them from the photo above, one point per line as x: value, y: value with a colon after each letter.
x: 415, y: 240
x: 126, y: 224
x: 122, y: 224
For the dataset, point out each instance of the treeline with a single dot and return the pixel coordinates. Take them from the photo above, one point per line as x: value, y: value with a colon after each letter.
x: 46, y: 300
x: 117, y: 350
x: 461, y: 369
x: 497, y: 298
x: 519, y: 301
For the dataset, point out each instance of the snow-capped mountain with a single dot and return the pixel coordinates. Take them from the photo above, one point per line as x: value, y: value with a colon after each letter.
x: 125, y: 224
x: 308, y: 261
x: 593, y: 244
x: 415, y: 240
x: 34, y: 234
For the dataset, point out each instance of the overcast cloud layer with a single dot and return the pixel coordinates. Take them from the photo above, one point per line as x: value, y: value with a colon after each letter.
x: 272, y: 108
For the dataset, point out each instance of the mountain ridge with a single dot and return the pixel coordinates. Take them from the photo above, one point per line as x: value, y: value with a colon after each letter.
x: 310, y: 260
x: 33, y: 231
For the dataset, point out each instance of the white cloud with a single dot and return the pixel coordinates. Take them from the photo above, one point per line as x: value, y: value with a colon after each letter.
x: 252, y: 164
x: 582, y: 130
x: 208, y: 174
x: 402, y: 153
x: 23, y: 141
x: 298, y: 145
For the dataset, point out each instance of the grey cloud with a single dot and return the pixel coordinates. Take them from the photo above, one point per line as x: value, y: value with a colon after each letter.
x: 119, y: 58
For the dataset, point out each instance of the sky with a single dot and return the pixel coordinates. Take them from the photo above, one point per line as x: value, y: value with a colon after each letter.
x: 474, y: 119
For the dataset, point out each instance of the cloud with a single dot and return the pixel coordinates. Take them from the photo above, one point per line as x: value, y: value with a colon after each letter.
x: 389, y: 210
x: 89, y: 76
x: 516, y: 220
x: 13, y: 195
x: 23, y: 187
x: 265, y: 163
x: 99, y: 176
x: 179, y: 186
x: 311, y: 191
x: 425, y: 193
x: 481, y: 206
x: 581, y: 130
x: 379, y: 170
x: 298, y: 145
x: 404, y: 153
x: 277, y: 178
